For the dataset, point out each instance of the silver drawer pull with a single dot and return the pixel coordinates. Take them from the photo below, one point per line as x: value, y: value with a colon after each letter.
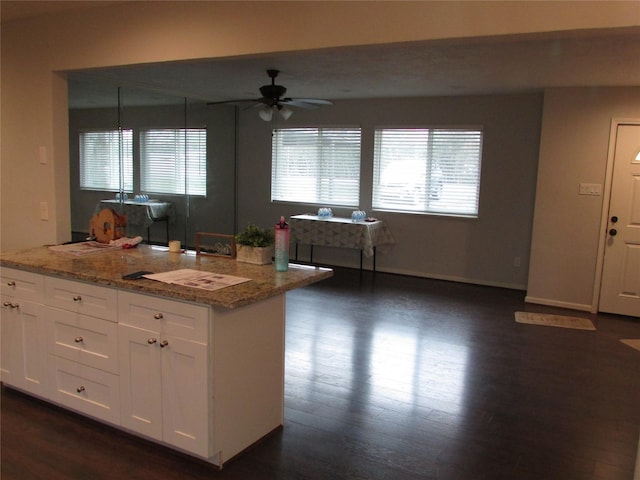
x: 11, y: 283
x: 80, y: 389
x: 163, y: 343
x: 78, y: 339
x: 77, y: 298
x: 158, y: 316
x: 151, y: 341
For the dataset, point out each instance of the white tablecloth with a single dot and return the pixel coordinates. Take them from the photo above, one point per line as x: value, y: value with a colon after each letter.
x: 340, y: 232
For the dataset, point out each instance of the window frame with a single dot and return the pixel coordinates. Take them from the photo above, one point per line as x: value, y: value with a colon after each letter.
x: 124, y: 183
x: 324, y: 179
x: 182, y: 188
x: 425, y: 202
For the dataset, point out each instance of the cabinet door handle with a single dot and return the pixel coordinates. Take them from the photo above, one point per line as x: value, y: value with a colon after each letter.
x: 163, y: 343
x: 151, y: 341
x: 80, y: 389
x: 158, y: 316
x: 11, y: 283
x: 11, y: 305
x: 78, y: 339
x: 77, y: 298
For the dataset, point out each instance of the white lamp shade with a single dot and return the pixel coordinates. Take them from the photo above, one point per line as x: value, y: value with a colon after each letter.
x: 285, y: 112
x: 266, y: 114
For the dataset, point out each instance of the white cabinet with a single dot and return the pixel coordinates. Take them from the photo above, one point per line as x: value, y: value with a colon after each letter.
x: 85, y: 389
x: 82, y: 298
x: 82, y: 343
x: 164, y: 381
x: 83, y: 339
x: 23, y: 353
x: 206, y: 381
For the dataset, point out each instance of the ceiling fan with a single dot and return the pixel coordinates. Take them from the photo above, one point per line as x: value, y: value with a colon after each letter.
x: 273, y: 100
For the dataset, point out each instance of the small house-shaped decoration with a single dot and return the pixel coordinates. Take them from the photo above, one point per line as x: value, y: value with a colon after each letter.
x: 107, y: 225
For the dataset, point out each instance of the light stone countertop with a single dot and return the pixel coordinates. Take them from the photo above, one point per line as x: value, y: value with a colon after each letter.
x: 107, y: 268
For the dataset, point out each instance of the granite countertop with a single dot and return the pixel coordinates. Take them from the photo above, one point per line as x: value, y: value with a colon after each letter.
x: 107, y: 268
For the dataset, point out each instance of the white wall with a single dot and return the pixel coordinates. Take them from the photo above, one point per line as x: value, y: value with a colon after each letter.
x: 574, y: 146
x: 478, y: 250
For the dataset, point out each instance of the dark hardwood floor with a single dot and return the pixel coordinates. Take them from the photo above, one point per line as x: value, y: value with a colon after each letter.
x: 394, y: 378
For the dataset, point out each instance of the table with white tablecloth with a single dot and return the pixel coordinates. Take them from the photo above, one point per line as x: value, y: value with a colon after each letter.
x: 141, y: 214
x: 366, y: 236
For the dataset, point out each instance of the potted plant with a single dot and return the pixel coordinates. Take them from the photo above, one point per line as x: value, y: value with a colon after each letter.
x: 255, y: 245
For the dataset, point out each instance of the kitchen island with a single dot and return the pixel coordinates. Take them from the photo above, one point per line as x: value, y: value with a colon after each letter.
x: 197, y: 370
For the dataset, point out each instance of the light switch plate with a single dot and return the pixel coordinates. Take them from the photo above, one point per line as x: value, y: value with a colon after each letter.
x: 42, y: 155
x: 590, y: 189
x: 44, y: 211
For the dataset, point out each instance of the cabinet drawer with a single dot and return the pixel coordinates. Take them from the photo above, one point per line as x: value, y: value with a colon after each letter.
x: 24, y: 285
x: 85, y: 389
x: 87, y: 340
x: 184, y: 320
x: 82, y: 298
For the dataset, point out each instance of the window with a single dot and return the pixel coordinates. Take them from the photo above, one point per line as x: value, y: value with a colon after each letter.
x: 427, y: 170
x: 174, y: 160
x: 101, y: 153
x: 316, y: 166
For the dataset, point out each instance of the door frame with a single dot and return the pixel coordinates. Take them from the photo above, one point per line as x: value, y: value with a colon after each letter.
x: 606, y: 203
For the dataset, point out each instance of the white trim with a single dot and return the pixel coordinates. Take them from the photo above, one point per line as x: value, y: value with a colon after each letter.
x: 606, y: 202
x: 557, y: 303
x: 412, y: 273
x: 453, y: 278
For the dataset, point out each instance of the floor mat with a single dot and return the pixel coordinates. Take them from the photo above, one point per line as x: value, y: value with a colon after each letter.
x: 548, y: 320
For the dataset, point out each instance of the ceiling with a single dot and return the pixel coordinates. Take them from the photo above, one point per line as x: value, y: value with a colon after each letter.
x: 509, y: 64
x: 17, y: 9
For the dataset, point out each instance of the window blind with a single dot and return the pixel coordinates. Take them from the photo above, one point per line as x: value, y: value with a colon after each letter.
x: 106, y: 160
x: 174, y: 161
x: 316, y: 166
x: 427, y: 170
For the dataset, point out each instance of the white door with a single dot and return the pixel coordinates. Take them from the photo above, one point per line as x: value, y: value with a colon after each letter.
x: 23, y: 354
x: 140, y: 381
x: 620, y: 289
x: 184, y: 394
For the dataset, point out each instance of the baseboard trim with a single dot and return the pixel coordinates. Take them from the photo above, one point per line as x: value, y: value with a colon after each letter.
x: 453, y: 278
x: 636, y: 476
x: 412, y: 273
x: 557, y: 303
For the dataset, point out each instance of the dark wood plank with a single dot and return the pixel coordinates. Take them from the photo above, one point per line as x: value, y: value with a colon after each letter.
x: 394, y: 377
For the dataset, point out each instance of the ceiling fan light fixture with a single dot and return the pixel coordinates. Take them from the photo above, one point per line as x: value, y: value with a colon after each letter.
x: 272, y: 100
x: 285, y: 112
x: 266, y: 113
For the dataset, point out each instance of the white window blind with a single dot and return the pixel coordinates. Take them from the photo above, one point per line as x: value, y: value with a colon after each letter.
x: 106, y: 160
x: 174, y: 161
x: 316, y: 166
x: 427, y: 170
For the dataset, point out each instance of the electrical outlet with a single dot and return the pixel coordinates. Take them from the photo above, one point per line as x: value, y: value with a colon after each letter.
x: 44, y: 211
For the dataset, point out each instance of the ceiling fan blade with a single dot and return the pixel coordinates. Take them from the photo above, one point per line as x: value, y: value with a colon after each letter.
x: 242, y: 100
x: 308, y: 103
x: 317, y: 101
